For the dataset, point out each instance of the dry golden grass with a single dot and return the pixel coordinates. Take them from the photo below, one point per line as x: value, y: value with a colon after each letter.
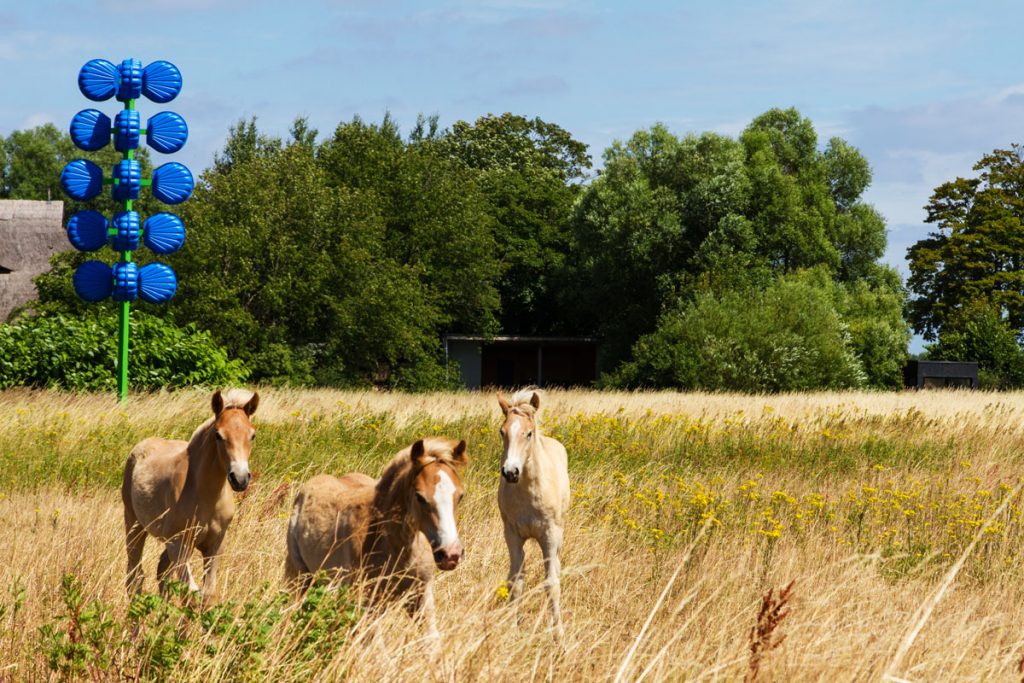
x: 857, y: 589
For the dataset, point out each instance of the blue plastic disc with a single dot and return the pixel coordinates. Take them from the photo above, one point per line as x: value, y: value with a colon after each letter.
x: 127, y: 125
x: 87, y: 230
x: 126, y: 281
x: 157, y: 282
x: 127, y: 225
x: 90, y: 130
x: 161, y: 81
x: 163, y: 233
x: 127, y: 180
x: 172, y: 183
x: 166, y: 132
x: 129, y: 85
x: 93, y: 281
x: 98, y: 80
x: 82, y: 180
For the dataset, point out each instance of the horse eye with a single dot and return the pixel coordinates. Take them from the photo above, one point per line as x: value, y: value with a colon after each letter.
x: 529, y: 435
x: 461, y: 496
x: 253, y: 437
x: 421, y: 498
x: 220, y: 437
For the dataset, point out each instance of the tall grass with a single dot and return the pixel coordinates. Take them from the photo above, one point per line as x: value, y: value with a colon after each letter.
x: 866, y: 500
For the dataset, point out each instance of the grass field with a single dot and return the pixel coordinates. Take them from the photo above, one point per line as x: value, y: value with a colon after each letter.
x: 687, y: 510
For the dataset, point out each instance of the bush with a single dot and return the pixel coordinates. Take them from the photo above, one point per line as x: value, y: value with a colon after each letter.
x: 787, y: 337
x: 979, y: 332
x: 80, y: 353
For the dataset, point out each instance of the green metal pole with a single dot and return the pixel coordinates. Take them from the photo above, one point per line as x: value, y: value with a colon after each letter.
x: 126, y: 256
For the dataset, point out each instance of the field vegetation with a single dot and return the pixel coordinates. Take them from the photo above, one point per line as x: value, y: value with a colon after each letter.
x: 830, y: 536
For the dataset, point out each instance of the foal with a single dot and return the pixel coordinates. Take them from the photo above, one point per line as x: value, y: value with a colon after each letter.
x: 533, y: 495
x: 395, y: 529
x: 180, y: 492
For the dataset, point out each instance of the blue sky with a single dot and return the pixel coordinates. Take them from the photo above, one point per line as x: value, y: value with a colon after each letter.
x: 922, y: 88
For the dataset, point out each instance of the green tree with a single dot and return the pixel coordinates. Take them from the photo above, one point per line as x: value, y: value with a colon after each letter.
x: 669, y: 218
x: 529, y: 170
x: 977, y: 251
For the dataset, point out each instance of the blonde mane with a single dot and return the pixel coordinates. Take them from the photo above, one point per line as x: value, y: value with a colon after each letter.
x: 520, y: 402
x: 395, y: 477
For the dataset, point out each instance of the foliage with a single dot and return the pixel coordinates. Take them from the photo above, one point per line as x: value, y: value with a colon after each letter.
x: 976, y: 251
x: 80, y: 353
x: 529, y: 170
x: 980, y: 332
x: 670, y: 217
x: 86, y: 640
x: 787, y: 337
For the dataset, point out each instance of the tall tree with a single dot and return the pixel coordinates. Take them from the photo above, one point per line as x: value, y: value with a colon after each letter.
x: 529, y: 170
x: 977, y: 251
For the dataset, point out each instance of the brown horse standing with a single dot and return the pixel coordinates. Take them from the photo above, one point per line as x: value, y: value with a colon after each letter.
x: 180, y: 492
x: 395, y: 529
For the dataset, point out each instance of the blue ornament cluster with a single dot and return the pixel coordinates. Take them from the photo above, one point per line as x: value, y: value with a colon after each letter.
x: 82, y: 180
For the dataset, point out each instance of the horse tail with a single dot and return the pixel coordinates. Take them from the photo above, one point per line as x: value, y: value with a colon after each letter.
x: 294, y: 565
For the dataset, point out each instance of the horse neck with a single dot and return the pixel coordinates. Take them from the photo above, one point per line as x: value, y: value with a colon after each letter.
x: 206, y: 473
x: 389, y: 531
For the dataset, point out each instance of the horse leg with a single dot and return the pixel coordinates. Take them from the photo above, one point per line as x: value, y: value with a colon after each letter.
x: 135, y: 541
x: 211, y: 556
x: 516, y: 557
x: 163, y: 567
x: 174, y: 565
x: 551, y: 546
x: 422, y: 606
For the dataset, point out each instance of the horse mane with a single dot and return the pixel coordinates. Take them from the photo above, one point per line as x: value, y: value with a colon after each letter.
x: 395, y: 478
x: 520, y: 402
x: 233, y: 398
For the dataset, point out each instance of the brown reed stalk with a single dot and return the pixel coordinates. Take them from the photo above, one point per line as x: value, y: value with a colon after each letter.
x: 274, y: 501
x: 763, y: 638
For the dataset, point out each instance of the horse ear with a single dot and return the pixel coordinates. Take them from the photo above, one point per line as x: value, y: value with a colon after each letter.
x: 535, y: 401
x: 503, y: 403
x: 251, y: 406
x: 217, y: 402
x: 459, y: 455
x: 418, y: 454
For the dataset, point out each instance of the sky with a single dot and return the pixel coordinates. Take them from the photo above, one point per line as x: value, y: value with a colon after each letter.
x: 923, y: 89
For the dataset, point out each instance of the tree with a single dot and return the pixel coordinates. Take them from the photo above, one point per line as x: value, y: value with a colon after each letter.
x: 980, y: 332
x: 529, y: 171
x: 977, y: 251
x: 671, y: 217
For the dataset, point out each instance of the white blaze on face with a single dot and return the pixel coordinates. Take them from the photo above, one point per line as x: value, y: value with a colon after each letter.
x: 514, y: 455
x: 444, y: 503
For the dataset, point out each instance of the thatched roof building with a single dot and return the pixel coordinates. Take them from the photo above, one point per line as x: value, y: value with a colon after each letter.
x: 30, y: 232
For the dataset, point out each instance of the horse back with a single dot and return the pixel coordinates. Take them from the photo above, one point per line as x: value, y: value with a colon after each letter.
x: 154, y: 476
x: 329, y: 521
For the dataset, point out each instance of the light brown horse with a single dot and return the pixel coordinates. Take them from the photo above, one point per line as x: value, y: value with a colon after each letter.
x: 533, y: 495
x: 180, y: 492
x: 394, y: 530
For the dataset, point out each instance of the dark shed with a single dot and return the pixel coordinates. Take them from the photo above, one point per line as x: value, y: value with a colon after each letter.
x: 940, y: 374
x: 511, y: 361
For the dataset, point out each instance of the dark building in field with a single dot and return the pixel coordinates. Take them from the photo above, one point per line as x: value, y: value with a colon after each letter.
x: 940, y: 374
x: 30, y: 232
x: 520, y: 361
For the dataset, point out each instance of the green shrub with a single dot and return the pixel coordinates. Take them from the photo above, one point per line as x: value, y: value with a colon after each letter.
x: 80, y: 353
x: 786, y: 337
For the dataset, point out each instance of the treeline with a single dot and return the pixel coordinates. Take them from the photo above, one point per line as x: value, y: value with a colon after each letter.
x: 702, y: 261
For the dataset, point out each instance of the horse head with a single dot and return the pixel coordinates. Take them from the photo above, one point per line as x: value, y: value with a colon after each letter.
x: 437, y: 490
x: 518, y: 434
x: 234, y: 434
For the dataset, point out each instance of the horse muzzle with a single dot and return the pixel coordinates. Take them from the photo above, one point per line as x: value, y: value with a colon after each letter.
x: 448, y: 560
x: 239, y: 482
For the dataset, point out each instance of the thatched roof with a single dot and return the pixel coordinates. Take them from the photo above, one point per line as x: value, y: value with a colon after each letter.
x: 30, y: 232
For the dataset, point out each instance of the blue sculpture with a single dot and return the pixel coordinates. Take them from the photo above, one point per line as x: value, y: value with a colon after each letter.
x: 172, y: 183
